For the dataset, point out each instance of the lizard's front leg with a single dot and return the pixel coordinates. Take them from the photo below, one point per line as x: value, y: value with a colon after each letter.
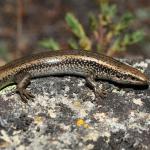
x: 22, y: 80
x: 90, y: 80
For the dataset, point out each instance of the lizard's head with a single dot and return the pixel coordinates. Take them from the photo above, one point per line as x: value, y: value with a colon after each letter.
x: 131, y: 76
x: 114, y: 70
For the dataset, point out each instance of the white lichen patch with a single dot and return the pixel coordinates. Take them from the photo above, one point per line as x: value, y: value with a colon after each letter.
x: 119, y: 92
x: 67, y: 88
x: 138, y: 120
x: 93, y: 135
x: 21, y: 147
x: 52, y: 113
x: 64, y: 127
x: 134, y: 121
x: 38, y: 142
x: 81, y: 83
x: 75, y: 106
x: 109, y: 124
x: 65, y: 138
x: 89, y: 106
x: 42, y: 100
x: 137, y: 101
x: 100, y: 116
x: 81, y: 110
x: 8, y: 89
x: 142, y: 64
x: 89, y: 147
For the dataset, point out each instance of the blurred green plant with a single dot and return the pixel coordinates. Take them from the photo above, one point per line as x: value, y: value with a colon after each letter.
x: 78, y: 31
x: 49, y: 44
x: 108, y: 33
x: 4, y: 55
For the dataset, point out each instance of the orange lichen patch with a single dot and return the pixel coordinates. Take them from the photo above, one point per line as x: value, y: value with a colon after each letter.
x: 80, y: 122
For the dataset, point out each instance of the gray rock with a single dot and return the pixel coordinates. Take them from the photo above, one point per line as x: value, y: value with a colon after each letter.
x: 66, y: 115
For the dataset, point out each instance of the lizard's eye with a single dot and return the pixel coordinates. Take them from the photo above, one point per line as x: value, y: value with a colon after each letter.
x: 118, y: 76
x: 133, y: 78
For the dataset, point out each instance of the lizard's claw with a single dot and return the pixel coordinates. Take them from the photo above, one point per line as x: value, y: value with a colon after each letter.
x: 100, y: 93
x: 25, y: 95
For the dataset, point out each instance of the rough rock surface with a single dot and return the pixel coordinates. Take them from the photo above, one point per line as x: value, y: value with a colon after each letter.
x: 66, y: 115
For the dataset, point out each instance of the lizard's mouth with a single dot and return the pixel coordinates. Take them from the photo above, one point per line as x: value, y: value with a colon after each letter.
x: 131, y: 82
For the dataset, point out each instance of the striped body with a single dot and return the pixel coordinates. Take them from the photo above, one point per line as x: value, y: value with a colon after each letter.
x: 72, y: 62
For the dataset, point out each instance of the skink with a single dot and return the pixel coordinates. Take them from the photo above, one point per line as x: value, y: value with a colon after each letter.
x: 89, y: 65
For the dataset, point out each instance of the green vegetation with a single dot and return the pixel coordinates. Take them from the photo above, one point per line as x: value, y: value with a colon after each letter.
x: 4, y: 51
x: 78, y: 31
x: 108, y: 33
x: 50, y: 44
